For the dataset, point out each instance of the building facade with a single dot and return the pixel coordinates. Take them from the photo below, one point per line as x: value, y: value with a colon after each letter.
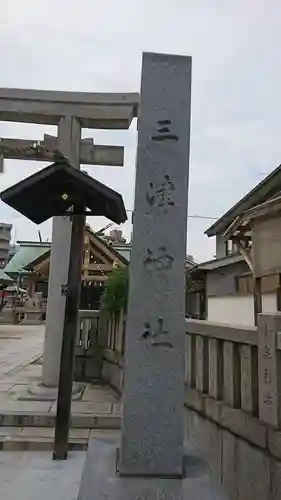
x: 30, y: 266
x: 5, y: 239
x: 229, y: 286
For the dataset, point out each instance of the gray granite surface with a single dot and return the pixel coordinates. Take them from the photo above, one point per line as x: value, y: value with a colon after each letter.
x: 152, y: 432
x: 34, y: 476
x: 100, y: 482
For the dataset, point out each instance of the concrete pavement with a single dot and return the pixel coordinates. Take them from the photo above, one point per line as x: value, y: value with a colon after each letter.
x: 19, y: 346
x: 26, y: 422
x: 33, y: 475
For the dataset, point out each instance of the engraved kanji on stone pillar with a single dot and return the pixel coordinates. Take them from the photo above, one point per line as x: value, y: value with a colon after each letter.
x: 153, y: 393
x: 269, y: 369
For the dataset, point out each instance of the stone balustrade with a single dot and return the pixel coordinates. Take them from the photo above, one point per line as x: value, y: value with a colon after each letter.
x: 237, y: 367
x: 96, y: 328
x: 88, y: 322
x: 113, y: 352
x: 89, y: 346
x: 233, y: 396
x: 100, y: 347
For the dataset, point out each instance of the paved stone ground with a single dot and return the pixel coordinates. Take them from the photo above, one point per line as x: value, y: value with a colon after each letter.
x: 19, y: 346
x: 33, y: 475
x: 29, y: 475
x: 24, y: 423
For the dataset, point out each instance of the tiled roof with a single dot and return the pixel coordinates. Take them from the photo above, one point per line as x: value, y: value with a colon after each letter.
x: 121, y: 251
x: 27, y: 252
x: 108, y: 246
x: 266, y: 189
x: 125, y: 251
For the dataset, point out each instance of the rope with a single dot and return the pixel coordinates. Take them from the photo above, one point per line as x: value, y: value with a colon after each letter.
x: 35, y: 147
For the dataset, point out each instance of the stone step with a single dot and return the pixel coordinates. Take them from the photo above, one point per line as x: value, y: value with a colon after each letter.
x: 42, y: 438
x: 39, y: 438
x: 38, y: 444
x: 82, y: 421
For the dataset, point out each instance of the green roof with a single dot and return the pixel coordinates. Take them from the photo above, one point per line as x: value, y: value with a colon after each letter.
x: 4, y: 278
x: 123, y: 250
x: 25, y: 254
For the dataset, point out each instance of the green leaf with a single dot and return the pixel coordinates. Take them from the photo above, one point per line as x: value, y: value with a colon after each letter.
x: 115, y: 295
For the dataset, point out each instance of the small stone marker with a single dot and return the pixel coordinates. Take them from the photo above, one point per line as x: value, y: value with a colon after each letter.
x: 153, y: 397
x: 269, y: 369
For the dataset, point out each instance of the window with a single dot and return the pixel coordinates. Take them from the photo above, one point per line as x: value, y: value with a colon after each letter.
x: 228, y: 247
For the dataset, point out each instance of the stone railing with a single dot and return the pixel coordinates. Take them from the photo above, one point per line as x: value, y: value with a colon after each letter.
x: 88, y: 356
x: 96, y: 328
x: 113, y: 352
x: 88, y: 328
x: 100, y: 348
x: 233, y: 393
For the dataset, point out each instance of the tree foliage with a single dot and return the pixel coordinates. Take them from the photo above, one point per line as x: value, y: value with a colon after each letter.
x: 115, y: 295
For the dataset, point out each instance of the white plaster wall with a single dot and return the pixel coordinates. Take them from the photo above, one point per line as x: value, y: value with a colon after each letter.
x: 238, y: 309
x: 269, y: 302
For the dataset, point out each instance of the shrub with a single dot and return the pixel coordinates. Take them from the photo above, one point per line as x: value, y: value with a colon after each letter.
x: 115, y: 295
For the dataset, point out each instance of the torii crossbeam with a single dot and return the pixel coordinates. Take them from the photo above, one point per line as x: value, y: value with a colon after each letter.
x: 47, y: 150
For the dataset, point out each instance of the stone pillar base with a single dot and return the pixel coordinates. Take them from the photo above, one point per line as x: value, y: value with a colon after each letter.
x: 41, y: 392
x: 101, y: 480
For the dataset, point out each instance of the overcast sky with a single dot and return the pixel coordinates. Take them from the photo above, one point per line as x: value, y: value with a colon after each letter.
x: 96, y: 46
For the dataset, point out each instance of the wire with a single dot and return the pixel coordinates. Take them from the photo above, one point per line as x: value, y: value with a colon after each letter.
x: 202, y: 217
x: 189, y: 216
x: 37, y: 146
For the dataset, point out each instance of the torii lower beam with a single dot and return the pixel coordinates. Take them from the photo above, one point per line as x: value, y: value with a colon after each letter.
x: 90, y: 153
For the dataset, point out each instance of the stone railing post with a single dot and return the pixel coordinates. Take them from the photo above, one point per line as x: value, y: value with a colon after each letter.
x: 119, y: 340
x: 103, y: 328
x: 215, y: 368
x: 202, y: 364
x: 190, y: 360
x: 249, y: 379
x: 231, y: 374
x: 269, y: 367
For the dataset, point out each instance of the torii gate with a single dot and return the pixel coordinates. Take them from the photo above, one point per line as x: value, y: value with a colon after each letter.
x: 70, y: 112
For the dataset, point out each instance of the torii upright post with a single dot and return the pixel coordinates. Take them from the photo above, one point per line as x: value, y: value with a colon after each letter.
x: 69, y: 133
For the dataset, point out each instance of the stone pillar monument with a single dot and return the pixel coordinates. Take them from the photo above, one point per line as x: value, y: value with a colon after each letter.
x: 151, y: 462
x: 153, y: 399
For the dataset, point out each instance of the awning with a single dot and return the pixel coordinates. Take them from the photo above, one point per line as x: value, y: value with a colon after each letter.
x: 55, y: 189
